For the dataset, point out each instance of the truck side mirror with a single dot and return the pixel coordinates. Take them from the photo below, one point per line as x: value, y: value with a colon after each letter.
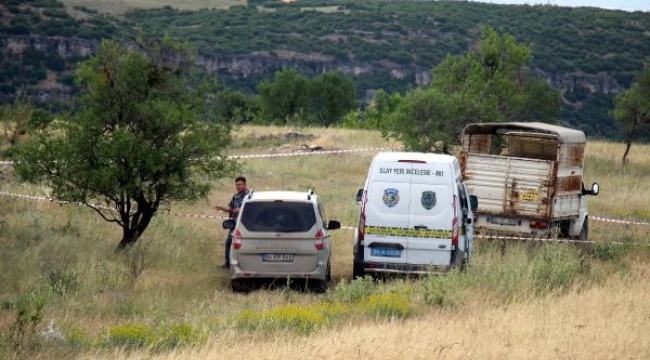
x: 595, y: 188
x: 228, y: 224
x: 473, y: 202
x: 359, y: 195
x: 333, y: 224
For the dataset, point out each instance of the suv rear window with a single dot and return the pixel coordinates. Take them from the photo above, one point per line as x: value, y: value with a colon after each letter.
x: 278, y: 216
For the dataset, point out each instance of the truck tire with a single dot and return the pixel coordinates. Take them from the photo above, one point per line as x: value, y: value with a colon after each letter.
x: 584, y: 233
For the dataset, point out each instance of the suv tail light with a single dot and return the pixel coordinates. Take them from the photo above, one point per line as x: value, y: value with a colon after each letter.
x: 236, y: 239
x: 320, y: 235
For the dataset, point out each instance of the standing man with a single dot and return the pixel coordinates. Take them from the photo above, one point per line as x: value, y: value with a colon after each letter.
x: 233, y: 210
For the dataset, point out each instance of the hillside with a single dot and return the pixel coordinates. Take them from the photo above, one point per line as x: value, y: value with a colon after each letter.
x: 588, y: 53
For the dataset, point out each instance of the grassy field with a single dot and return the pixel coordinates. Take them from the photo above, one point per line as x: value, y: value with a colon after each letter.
x: 64, y: 293
x: 122, y: 6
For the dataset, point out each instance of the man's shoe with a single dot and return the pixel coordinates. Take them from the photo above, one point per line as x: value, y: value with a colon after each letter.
x: 225, y: 266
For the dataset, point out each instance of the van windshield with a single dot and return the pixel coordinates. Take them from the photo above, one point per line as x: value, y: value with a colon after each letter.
x: 278, y: 216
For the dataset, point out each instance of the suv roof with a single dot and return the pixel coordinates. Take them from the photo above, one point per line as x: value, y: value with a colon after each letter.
x: 281, y: 195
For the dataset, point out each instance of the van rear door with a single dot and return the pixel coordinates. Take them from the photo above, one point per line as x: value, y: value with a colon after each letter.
x: 431, y: 213
x: 387, y: 212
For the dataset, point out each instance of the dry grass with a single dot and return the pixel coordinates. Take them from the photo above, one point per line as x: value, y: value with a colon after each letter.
x: 604, y: 322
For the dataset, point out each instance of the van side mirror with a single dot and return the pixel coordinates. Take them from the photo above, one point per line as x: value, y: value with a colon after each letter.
x: 333, y: 224
x: 473, y: 202
x: 228, y: 224
x: 359, y: 195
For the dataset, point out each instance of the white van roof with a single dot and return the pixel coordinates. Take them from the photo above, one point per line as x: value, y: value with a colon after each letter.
x: 416, y: 156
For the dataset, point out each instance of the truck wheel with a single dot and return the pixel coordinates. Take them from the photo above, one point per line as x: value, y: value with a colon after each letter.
x: 584, y: 233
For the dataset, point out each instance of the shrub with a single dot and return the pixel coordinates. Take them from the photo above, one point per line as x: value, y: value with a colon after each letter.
x: 290, y: 317
x: 354, y: 290
x: 181, y: 334
x: 556, y: 267
x: 131, y: 335
x: 608, y: 251
x: 390, y: 305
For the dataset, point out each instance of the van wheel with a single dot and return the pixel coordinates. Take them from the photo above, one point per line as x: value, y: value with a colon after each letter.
x: 358, y: 270
x: 459, y: 261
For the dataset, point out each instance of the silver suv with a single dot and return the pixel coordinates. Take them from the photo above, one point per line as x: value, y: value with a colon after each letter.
x: 280, y: 235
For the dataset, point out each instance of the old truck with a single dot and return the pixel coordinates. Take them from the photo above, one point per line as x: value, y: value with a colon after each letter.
x: 528, y: 178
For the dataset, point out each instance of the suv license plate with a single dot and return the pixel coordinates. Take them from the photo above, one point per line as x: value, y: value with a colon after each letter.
x: 277, y: 257
x: 385, y: 252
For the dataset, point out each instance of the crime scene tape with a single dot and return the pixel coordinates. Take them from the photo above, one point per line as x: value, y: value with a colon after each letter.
x: 617, y: 221
x: 378, y: 230
x: 290, y: 154
x: 97, y: 206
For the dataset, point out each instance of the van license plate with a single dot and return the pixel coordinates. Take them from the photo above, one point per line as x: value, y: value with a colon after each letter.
x: 277, y: 257
x: 385, y: 252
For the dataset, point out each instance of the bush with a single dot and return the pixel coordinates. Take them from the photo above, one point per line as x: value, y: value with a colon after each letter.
x: 609, y: 251
x: 390, y: 305
x: 290, y: 317
x: 555, y: 267
x: 354, y: 290
x: 131, y: 335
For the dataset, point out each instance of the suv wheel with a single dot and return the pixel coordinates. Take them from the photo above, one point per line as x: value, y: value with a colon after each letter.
x: 240, y: 286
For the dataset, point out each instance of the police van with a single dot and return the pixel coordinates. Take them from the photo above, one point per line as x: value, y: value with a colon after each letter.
x: 415, y: 215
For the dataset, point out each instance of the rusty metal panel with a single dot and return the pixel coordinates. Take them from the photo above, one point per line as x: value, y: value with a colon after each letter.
x: 477, y: 144
x: 571, y: 183
x: 566, y: 206
x: 510, y: 186
x: 572, y: 156
x: 533, y: 147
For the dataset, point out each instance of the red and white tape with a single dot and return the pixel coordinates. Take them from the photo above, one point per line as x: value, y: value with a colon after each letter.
x: 598, y: 218
x: 290, y: 154
x: 617, y: 221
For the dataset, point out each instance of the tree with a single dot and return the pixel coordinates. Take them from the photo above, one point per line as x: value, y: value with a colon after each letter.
x: 331, y: 95
x: 490, y: 83
x: 139, y: 139
x: 632, y: 109
x: 15, y: 120
x: 284, y: 98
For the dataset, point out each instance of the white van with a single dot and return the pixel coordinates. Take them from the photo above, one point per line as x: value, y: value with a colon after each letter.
x: 415, y: 215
